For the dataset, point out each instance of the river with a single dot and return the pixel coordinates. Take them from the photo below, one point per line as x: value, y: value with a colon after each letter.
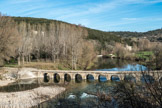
x: 80, y: 94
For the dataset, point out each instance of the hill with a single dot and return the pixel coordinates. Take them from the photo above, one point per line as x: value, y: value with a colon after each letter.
x: 154, y: 35
x: 100, y: 36
x: 92, y: 34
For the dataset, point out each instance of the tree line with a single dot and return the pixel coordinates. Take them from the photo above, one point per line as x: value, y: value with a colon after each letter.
x: 54, y: 41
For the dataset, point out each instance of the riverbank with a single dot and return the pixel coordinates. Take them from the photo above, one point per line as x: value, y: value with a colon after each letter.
x: 5, y: 82
x: 29, y: 98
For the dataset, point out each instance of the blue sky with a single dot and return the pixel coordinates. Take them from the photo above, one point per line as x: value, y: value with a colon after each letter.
x: 106, y: 15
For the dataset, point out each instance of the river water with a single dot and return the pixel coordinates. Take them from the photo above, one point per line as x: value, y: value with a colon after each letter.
x: 84, y: 94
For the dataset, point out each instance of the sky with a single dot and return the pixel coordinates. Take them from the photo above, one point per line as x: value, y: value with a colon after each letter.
x: 105, y: 15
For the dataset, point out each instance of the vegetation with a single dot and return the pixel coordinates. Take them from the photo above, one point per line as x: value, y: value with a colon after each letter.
x: 144, y: 55
x: 43, y: 40
x: 9, y: 38
x: 154, y: 35
x: 60, y: 42
x: 133, y: 95
x: 104, y: 38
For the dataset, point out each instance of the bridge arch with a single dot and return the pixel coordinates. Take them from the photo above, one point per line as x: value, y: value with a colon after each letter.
x: 46, y: 77
x: 147, y: 79
x: 129, y: 78
x: 78, y: 78
x: 89, y: 77
x: 115, y: 78
x: 102, y: 78
x: 67, y: 77
x: 56, y: 77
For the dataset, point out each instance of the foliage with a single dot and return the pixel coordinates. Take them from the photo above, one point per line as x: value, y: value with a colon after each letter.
x: 145, y: 55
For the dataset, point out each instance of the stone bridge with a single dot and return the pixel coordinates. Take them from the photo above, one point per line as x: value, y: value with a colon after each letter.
x: 97, y: 75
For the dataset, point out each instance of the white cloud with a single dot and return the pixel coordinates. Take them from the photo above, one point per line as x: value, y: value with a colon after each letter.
x: 130, y: 19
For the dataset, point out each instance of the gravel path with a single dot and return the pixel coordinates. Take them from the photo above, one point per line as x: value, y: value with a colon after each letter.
x: 29, y: 98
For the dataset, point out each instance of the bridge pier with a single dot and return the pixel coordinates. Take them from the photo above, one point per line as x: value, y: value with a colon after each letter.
x: 84, y: 76
x: 108, y: 77
x: 95, y: 76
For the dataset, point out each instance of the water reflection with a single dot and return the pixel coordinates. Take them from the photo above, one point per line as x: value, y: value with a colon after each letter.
x: 117, y: 65
x: 90, y: 78
x: 78, y: 78
x: 21, y: 85
x: 102, y: 78
x: 115, y: 78
x: 108, y: 63
x: 67, y: 77
x: 82, y: 95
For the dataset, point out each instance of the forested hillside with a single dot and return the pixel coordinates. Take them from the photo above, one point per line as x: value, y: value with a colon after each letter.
x: 101, y: 39
x: 154, y: 35
x: 93, y: 34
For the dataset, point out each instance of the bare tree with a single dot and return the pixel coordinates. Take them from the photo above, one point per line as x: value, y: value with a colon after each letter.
x: 9, y: 38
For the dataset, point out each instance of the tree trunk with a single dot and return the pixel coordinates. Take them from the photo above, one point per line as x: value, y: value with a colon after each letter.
x: 19, y: 63
x: 29, y: 58
x: 26, y: 59
x: 53, y: 58
x: 23, y: 60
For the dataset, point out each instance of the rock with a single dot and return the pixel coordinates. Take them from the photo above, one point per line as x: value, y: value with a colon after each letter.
x: 26, y: 73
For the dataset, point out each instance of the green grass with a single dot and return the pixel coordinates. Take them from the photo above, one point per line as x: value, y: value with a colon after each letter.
x: 145, y: 55
x: 11, y: 65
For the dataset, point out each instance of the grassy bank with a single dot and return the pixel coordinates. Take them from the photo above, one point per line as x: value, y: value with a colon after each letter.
x: 144, y: 55
x: 41, y: 65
